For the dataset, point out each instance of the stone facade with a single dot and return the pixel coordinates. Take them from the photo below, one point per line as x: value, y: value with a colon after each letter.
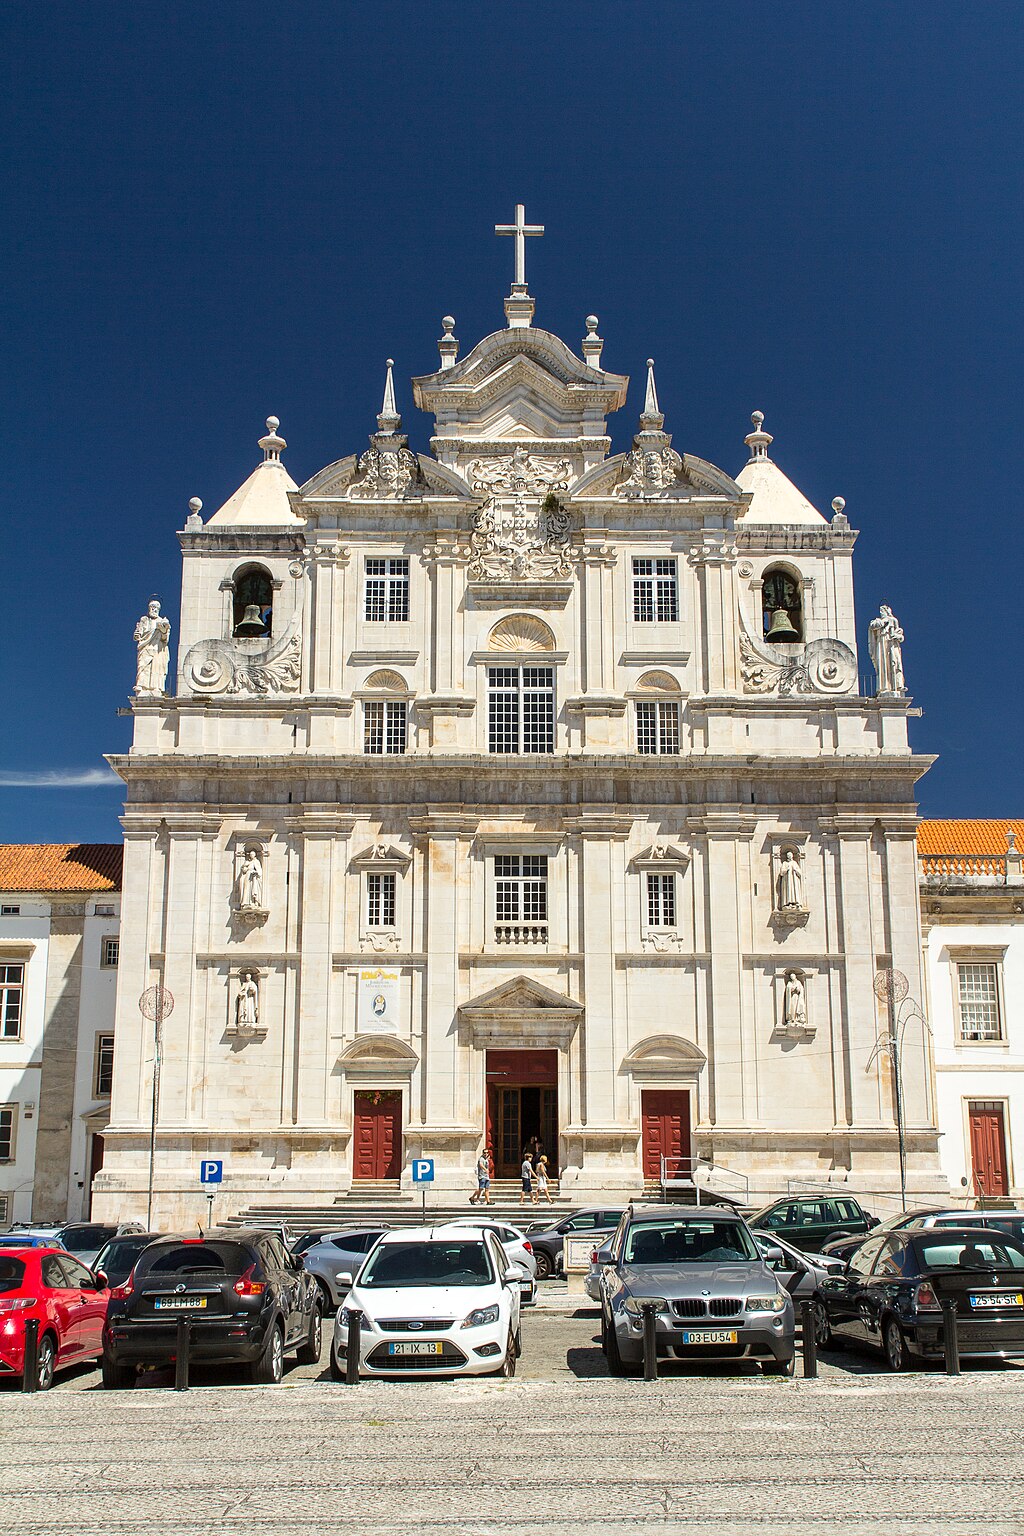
x: 527, y: 741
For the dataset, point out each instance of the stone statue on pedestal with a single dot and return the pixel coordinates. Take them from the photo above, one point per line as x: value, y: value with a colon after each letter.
x: 152, y: 639
x: 249, y: 886
x: 795, y: 1008
x: 791, y: 883
x: 885, y: 643
x: 247, y: 1003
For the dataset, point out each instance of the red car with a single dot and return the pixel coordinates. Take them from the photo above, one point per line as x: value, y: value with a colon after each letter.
x: 69, y: 1301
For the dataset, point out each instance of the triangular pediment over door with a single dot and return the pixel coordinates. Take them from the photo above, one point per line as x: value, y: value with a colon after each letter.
x: 521, y: 1012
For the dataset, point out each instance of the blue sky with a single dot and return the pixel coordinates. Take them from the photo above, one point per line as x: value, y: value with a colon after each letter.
x: 214, y: 213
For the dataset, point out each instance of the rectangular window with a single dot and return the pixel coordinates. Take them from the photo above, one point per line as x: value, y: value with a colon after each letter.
x: 8, y: 1126
x: 387, y: 591
x: 657, y: 727
x: 521, y: 888
x: 380, y: 901
x: 384, y: 727
x: 520, y: 709
x: 109, y: 951
x: 978, y: 984
x: 104, y: 1066
x: 7, y: 911
x: 655, y: 592
x: 661, y: 901
x: 12, y: 987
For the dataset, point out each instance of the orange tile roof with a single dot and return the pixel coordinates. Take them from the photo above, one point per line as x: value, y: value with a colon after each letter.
x: 60, y: 866
x: 966, y: 847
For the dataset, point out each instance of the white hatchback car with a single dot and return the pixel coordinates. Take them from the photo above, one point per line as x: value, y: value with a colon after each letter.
x: 433, y: 1301
x: 518, y: 1249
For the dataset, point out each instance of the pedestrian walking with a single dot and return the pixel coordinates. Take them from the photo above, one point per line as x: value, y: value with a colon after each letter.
x: 542, y: 1179
x: 482, y: 1195
x: 527, y: 1173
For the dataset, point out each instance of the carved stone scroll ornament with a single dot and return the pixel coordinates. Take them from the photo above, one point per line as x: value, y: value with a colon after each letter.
x: 227, y: 666
x: 386, y: 474
x: 824, y: 666
x: 649, y: 472
x: 519, y: 474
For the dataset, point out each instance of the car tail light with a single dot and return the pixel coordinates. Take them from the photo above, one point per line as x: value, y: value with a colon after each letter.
x: 528, y: 1247
x: 925, y: 1297
x: 245, y: 1285
x: 17, y: 1303
x: 593, y: 1257
x: 122, y: 1292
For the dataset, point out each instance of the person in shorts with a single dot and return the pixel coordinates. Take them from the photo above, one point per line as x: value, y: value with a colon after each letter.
x: 527, y: 1173
x: 483, y: 1179
x: 542, y: 1181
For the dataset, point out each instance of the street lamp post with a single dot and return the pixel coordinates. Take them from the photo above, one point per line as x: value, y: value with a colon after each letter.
x: 892, y: 986
x: 155, y: 1004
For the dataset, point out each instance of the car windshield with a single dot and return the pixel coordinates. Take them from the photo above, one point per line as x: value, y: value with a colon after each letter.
x: 689, y: 1242
x: 85, y: 1239
x: 415, y: 1264
x: 117, y: 1260
x: 12, y: 1273
x: 970, y: 1250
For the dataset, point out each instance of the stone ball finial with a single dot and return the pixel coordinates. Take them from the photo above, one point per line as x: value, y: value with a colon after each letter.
x: 272, y: 423
x: 838, y: 504
x: 448, y: 321
x: 195, y: 506
x: 650, y: 362
x: 757, y: 420
x: 592, y: 323
x: 389, y: 362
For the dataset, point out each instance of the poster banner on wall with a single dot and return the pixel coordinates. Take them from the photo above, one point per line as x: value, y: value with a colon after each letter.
x: 378, y: 1002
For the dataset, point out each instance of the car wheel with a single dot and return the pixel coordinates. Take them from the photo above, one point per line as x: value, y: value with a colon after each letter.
x: 268, y: 1370
x: 777, y: 1367
x: 508, y: 1365
x: 326, y: 1299
x: 338, y: 1371
x: 823, y: 1336
x: 519, y: 1342
x: 894, y: 1342
x: 604, y: 1334
x: 309, y: 1353
x: 46, y: 1363
x: 616, y: 1365
x: 115, y: 1376
x: 544, y: 1265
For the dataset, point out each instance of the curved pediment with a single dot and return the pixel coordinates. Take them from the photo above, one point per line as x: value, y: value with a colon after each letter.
x: 338, y: 481
x: 658, y: 474
x: 378, y: 1056
x: 663, y: 1056
x: 503, y: 358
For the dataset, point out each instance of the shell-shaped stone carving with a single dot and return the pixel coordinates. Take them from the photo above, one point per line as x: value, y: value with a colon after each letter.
x: 521, y: 632
x: 384, y: 677
x: 658, y: 682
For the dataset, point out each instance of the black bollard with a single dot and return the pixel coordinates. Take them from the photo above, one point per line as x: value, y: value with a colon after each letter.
x: 649, y: 1313
x: 182, y: 1353
x: 354, y: 1349
x: 950, y: 1341
x: 30, y: 1368
x: 808, y: 1340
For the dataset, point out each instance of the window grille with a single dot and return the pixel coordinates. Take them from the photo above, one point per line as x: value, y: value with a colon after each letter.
x: 5, y: 1210
x: 655, y: 592
x: 520, y: 709
x: 384, y: 727
x: 520, y: 888
x: 387, y: 591
x: 380, y: 901
x: 661, y: 901
x: 8, y: 911
x: 111, y: 951
x: 979, y: 1001
x: 657, y: 727
x: 104, y: 1066
x: 8, y: 1120
x: 12, y: 987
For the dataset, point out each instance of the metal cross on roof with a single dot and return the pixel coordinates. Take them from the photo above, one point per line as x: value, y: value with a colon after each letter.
x: 520, y: 229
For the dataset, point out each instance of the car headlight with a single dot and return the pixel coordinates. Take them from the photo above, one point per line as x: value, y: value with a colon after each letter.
x: 481, y: 1317
x: 635, y: 1304
x: 776, y: 1303
x: 347, y: 1315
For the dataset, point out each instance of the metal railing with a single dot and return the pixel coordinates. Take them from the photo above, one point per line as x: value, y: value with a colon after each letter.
x: 704, y: 1178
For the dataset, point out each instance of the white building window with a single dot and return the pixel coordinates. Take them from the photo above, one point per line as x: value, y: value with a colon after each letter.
x: 8, y: 1130
x: 387, y: 591
x: 661, y: 901
x: 9, y: 911
x: 110, y: 948
x: 384, y: 727
x: 520, y: 898
x: 12, y: 989
x: 655, y: 592
x: 978, y: 991
x: 657, y: 727
x: 381, y: 901
x: 520, y: 709
x: 104, y: 1077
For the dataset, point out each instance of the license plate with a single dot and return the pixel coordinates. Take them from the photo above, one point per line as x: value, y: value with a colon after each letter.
x: 420, y: 1347
x: 710, y: 1336
x: 998, y: 1299
x: 180, y: 1303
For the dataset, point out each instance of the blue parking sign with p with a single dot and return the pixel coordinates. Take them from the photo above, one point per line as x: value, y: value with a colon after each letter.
x: 423, y: 1170
x: 211, y: 1172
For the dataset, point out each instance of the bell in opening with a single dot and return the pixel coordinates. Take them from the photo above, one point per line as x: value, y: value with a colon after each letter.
x: 781, y: 607
x: 253, y: 604
x: 252, y: 624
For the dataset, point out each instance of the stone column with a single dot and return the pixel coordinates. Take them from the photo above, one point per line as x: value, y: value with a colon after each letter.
x: 445, y: 837
x: 141, y: 913
x: 598, y: 835
x: 324, y: 837
x: 185, y: 904
x: 714, y: 561
x: 727, y: 831
x: 903, y: 912
x: 860, y: 942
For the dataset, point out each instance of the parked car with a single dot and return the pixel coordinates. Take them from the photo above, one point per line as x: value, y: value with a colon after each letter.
x: 308, y: 1240
x: 546, y: 1238
x: 1001, y: 1221
x: 68, y: 1300
x: 84, y: 1239
x: 25, y: 1240
x: 338, y: 1253
x: 842, y: 1247
x: 436, y: 1301
x: 118, y: 1257
x: 891, y: 1294
x: 808, y: 1223
x: 716, y: 1297
x: 248, y: 1300
x: 518, y: 1250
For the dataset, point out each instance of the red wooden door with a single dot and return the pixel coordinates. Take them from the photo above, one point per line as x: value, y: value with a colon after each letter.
x: 95, y: 1164
x: 377, y: 1136
x: 988, y: 1149
x: 665, y: 1129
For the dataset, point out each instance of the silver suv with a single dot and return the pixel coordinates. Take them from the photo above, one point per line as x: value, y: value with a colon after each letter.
x: 716, y: 1297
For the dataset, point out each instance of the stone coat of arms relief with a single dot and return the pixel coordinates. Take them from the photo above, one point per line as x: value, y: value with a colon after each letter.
x: 521, y: 532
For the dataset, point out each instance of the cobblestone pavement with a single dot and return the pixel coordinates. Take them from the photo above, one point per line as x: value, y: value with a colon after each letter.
x: 561, y: 1449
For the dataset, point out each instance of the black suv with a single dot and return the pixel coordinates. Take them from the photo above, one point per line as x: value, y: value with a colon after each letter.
x: 247, y: 1298
x: 809, y: 1222
x: 546, y: 1239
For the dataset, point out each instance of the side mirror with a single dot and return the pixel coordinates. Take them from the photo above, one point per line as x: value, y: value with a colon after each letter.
x: 343, y: 1280
x: 515, y: 1274
x: 101, y: 1280
x: 773, y: 1255
x: 604, y: 1255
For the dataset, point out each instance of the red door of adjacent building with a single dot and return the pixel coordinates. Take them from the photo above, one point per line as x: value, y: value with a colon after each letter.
x: 665, y: 1129
x: 988, y: 1149
x: 95, y: 1164
x: 377, y: 1136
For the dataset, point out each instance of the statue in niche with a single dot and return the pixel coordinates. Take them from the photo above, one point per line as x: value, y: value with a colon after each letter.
x: 791, y: 883
x: 247, y: 1003
x: 795, y: 1005
x: 249, y: 886
x: 152, y: 642
x: 885, y: 643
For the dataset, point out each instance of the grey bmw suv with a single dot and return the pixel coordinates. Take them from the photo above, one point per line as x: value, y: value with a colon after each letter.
x: 716, y: 1297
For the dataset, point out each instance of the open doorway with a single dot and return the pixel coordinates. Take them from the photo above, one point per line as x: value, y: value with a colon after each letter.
x: 522, y: 1108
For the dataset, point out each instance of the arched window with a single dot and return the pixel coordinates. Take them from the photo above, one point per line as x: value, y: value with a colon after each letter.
x: 782, y: 607
x: 657, y: 715
x: 252, y: 603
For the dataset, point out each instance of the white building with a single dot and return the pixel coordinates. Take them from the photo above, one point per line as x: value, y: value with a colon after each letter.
x: 515, y: 790
x: 972, y: 907
x: 59, y: 934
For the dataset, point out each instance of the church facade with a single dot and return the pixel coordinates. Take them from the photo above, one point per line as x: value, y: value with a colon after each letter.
x: 517, y: 793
